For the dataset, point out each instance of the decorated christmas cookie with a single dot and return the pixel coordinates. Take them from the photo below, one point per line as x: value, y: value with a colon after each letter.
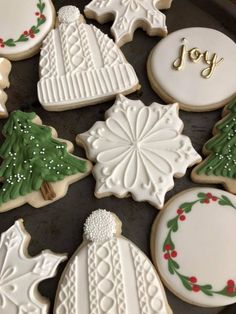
x: 109, y: 274
x: 37, y: 167
x: 5, y: 69
x: 79, y: 65
x: 138, y: 150
x: 192, y: 246
x: 195, y: 67
x: 129, y: 15
x: 23, y: 26
x: 20, y: 273
x: 219, y: 166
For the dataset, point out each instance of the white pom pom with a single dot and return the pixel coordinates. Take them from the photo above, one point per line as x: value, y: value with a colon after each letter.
x: 68, y: 14
x: 100, y: 226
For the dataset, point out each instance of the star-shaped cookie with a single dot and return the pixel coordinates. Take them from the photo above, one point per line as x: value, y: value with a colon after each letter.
x: 128, y: 15
x: 138, y: 150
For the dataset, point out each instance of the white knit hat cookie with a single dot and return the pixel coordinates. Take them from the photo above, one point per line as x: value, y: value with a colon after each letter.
x: 79, y: 65
x: 102, y: 275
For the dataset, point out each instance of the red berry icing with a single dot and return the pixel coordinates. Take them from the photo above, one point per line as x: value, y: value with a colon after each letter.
x: 193, y: 279
x: 182, y: 217
x: 230, y: 283
x: 168, y: 247
x: 180, y: 211
x: 196, y: 288
x: 167, y: 256
x: 173, y: 254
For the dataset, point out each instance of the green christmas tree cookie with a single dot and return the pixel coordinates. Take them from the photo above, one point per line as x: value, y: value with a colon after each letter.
x: 36, y: 168
x: 220, y: 164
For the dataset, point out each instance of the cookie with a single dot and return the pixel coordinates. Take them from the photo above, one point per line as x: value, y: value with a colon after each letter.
x: 21, y: 273
x: 128, y: 15
x: 80, y: 65
x: 194, y: 67
x: 192, y: 245
x: 23, y: 27
x: 109, y: 274
x: 37, y: 167
x: 219, y: 165
x: 5, y: 69
x: 138, y: 150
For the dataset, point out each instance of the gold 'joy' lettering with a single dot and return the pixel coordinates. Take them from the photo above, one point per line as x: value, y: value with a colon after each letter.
x: 195, y: 55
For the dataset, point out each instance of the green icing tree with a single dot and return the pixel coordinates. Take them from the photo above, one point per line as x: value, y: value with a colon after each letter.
x: 32, y: 158
x: 222, y: 148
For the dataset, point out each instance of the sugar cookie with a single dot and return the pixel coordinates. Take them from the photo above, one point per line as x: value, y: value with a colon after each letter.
x: 195, y: 67
x: 80, y: 65
x: 138, y: 150
x: 219, y: 166
x: 23, y: 26
x: 21, y: 273
x: 192, y: 245
x: 37, y: 167
x: 5, y: 69
x: 109, y: 274
x: 128, y: 15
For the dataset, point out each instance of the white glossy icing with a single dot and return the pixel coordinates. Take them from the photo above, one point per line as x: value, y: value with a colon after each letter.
x: 100, y: 226
x: 188, y: 86
x: 79, y: 65
x: 138, y: 150
x: 14, y: 22
x: 112, y: 277
x: 5, y: 69
x: 20, y: 274
x: 204, y: 243
x: 129, y: 15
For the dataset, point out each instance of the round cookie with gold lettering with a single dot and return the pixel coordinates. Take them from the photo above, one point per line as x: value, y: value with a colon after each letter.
x: 194, y: 67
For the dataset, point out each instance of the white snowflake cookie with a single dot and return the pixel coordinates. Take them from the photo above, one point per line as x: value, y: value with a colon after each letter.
x: 128, y: 15
x: 109, y: 274
x: 138, y: 150
x: 20, y: 274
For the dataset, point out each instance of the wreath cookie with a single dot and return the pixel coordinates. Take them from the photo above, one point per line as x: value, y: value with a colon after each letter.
x: 23, y: 26
x: 192, y: 246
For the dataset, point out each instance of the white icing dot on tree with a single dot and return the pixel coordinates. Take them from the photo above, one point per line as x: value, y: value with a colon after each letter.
x: 68, y: 14
x: 100, y: 226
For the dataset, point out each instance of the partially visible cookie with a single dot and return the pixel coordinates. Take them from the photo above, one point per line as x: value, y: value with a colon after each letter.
x: 192, y: 245
x: 194, y: 67
x: 23, y: 26
x: 81, y: 66
x: 138, y: 150
x: 128, y: 15
x: 21, y: 274
x: 37, y: 167
x: 109, y: 274
x: 5, y: 69
x: 220, y: 163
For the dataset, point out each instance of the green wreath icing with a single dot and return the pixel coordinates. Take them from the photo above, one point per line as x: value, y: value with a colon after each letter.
x: 27, y: 34
x: 170, y: 252
x: 222, y: 148
x: 31, y: 156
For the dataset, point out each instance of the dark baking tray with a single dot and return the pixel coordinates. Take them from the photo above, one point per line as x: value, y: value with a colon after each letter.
x: 59, y: 226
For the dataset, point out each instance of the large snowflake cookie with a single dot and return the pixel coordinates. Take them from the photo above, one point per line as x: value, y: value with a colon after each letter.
x: 20, y: 274
x: 5, y: 69
x: 109, y: 274
x: 193, y: 241
x: 195, y: 67
x: 37, y: 167
x: 138, y: 150
x: 129, y: 15
x: 80, y: 65
x: 23, y: 26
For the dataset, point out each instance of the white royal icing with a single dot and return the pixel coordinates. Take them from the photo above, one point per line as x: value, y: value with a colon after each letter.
x: 138, y: 150
x: 129, y: 15
x: 100, y: 226
x: 112, y: 277
x: 204, y: 241
x: 80, y: 65
x: 20, y: 274
x: 18, y: 17
x: 5, y: 69
x: 189, y: 85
